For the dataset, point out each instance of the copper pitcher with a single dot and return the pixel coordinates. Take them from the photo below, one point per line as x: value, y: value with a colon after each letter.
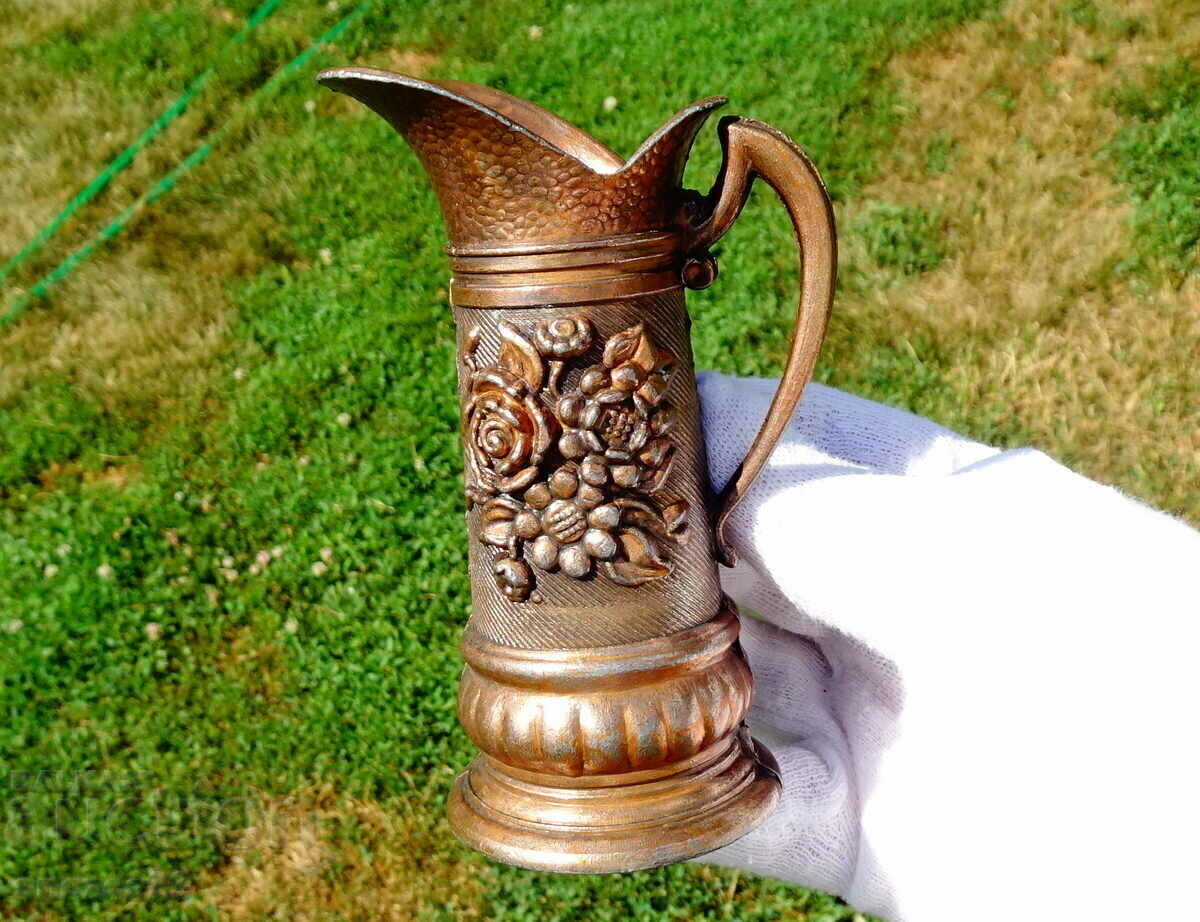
x: 604, y: 682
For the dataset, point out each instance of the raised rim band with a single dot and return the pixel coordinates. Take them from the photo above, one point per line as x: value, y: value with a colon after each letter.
x: 526, y: 275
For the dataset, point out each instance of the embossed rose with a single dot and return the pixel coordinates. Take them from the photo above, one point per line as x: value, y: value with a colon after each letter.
x: 563, y: 337
x: 505, y: 425
x: 507, y: 432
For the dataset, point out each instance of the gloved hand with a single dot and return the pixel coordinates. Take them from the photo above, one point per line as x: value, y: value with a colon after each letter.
x: 980, y: 672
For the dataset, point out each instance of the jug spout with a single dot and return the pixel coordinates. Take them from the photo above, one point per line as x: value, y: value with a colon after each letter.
x: 508, y: 172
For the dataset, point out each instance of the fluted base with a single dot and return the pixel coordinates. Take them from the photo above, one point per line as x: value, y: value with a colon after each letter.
x: 622, y: 822
x: 611, y: 758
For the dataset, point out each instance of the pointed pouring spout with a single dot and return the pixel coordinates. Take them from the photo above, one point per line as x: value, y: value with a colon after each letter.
x: 508, y: 172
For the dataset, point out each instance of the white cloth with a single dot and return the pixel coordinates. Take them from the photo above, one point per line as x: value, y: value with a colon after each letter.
x: 980, y: 673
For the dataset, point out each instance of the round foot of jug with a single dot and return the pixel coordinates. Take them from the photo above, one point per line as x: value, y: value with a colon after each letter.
x: 624, y: 822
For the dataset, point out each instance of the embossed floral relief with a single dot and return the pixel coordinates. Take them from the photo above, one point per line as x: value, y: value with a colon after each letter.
x: 568, y: 480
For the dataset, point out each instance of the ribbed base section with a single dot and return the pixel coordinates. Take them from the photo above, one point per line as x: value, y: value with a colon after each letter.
x: 623, y: 822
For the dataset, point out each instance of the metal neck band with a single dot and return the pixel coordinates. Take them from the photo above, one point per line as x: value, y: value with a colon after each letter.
x: 595, y: 270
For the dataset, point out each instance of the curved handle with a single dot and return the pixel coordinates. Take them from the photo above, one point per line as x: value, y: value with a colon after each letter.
x: 752, y: 149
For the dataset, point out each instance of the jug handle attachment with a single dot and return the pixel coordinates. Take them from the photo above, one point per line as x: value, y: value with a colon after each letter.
x: 755, y: 150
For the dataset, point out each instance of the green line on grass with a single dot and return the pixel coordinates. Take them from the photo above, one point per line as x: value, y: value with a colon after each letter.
x: 126, y: 157
x: 164, y: 185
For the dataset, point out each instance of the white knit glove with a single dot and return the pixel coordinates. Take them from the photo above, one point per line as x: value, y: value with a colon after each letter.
x: 980, y: 672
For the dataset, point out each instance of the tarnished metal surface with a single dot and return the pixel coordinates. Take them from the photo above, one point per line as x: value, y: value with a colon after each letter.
x: 604, y: 683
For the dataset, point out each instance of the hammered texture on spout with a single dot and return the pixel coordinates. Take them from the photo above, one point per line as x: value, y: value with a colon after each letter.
x: 499, y: 181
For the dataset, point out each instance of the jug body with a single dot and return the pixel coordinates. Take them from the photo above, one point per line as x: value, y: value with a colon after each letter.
x: 586, y: 480
x: 603, y: 684
x: 601, y: 656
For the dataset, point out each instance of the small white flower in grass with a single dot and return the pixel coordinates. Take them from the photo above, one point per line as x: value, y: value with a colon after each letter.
x: 610, y: 103
x: 153, y: 630
x: 332, y: 5
x: 320, y: 568
x: 239, y: 374
x: 327, y: 554
x: 104, y: 571
x: 254, y: 569
x: 50, y: 572
x: 277, y: 551
x: 262, y: 558
x: 535, y: 32
x: 302, y: 460
x: 179, y: 496
x: 310, y: 105
x: 291, y: 626
x: 343, y: 419
x: 229, y: 573
x: 14, y: 625
x: 326, y: 255
x: 63, y: 550
x: 227, y: 562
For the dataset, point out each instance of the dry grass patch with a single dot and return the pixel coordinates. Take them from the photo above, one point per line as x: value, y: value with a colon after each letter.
x: 1046, y: 332
x: 411, y: 61
x: 139, y: 327
x: 131, y: 330
x: 26, y: 21
x: 116, y: 475
x: 259, y: 666
x: 314, y: 856
x: 61, y: 126
x: 123, y: 330
x: 136, y: 327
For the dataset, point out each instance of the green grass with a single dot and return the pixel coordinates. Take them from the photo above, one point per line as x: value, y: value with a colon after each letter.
x: 1156, y: 156
x: 908, y: 240
x: 143, y: 634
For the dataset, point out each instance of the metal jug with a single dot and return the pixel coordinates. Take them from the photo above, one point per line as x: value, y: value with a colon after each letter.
x: 604, y: 682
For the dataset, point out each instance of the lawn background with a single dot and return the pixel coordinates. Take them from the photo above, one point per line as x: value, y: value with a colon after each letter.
x: 232, y: 566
